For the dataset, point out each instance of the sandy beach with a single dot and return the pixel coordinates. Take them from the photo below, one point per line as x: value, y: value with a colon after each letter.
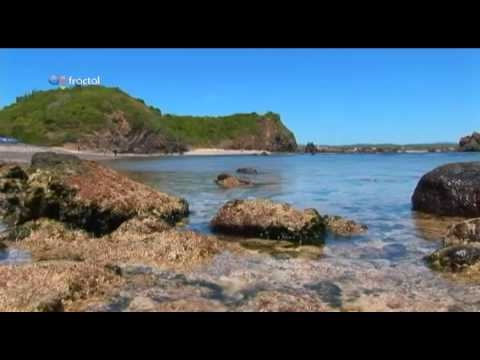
x: 22, y: 153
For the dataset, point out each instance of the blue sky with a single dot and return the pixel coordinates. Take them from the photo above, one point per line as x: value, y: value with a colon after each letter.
x: 329, y: 96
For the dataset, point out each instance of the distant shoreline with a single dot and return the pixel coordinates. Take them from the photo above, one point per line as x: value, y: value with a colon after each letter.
x: 22, y: 153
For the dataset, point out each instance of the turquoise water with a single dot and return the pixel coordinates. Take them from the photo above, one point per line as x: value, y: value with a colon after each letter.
x: 374, y: 189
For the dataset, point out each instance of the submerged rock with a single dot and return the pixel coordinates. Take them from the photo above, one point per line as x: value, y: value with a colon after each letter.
x: 452, y: 190
x: 328, y: 291
x: 464, y: 232
x: 85, y: 194
x: 461, y: 248
x: 343, y: 227
x: 267, y: 219
x: 229, y: 181
x: 455, y: 258
x: 247, y: 170
x: 394, y: 251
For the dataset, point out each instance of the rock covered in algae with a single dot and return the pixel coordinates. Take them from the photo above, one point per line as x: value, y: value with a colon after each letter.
x: 267, y: 219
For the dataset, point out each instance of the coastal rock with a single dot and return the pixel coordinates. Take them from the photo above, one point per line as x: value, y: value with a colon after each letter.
x: 51, y: 159
x: 266, y: 219
x: 54, y: 286
x: 13, y: 172
x: 51, y: 240
x: 452, y: 190
x: 229, y: 181
x: 87, y: 195
x: 12, y: 178
x: 142, y: 225
x: 455, y: 258
x: 247, y: 170
x: 470, y: 143
x: 464, y: 232
x: 343, y: 227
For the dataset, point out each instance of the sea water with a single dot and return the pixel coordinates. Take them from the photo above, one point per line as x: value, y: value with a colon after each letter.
x: 374, y: 189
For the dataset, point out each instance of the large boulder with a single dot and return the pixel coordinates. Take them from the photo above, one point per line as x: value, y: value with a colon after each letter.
x: 470, y: 143
x: 464, y: 232
x: 267, y: 219
x: 229, y: 181
x: 85, y: 194
x: 451, y: 190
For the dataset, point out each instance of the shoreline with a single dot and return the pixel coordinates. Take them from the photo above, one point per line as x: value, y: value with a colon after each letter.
x: 22, y: 153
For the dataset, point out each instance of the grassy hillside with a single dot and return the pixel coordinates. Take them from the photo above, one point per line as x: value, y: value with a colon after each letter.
x: 210, y: 131
x: 57, y: 117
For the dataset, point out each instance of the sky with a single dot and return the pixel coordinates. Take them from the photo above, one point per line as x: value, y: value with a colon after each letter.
x: 328, y: 96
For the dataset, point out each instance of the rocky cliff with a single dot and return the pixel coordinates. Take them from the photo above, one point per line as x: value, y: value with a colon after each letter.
x: 470, y: 142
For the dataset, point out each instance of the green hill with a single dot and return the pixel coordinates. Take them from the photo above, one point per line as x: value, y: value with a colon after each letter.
x: 104, y: 118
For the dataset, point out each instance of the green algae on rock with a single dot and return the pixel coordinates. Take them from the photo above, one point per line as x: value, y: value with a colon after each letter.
x: 455, y: 258
x: 266, y: 219
x: 461, y: 248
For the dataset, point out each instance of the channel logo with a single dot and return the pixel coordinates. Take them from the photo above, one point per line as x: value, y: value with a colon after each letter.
x: 62, y: 81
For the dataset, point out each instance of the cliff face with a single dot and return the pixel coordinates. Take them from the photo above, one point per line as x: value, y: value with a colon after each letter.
x: 271, y: 135
x: 470, y: 143
x: 107, y: 119
x: 119, y: 135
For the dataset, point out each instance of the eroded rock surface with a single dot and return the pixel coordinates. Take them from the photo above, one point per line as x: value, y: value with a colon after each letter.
x: 266, y: 219
x: 82, y: 193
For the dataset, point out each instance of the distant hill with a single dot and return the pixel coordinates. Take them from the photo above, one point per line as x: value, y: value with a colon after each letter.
x: 102, y: 118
